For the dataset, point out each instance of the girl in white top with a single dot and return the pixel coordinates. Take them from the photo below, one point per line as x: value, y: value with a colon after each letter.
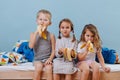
x: 60, y: 65
x: 87, y: 58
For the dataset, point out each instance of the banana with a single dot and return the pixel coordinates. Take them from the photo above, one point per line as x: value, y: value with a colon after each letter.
x: 69, y: 54
x: 83, y: 46
x: 90, y: 48
x: 41, y: 30
x: 73, y: 53
x: 44, y: 35
x: 65, y: 53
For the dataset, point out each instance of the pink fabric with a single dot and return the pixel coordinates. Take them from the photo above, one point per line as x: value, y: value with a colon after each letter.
x: 88, y: 62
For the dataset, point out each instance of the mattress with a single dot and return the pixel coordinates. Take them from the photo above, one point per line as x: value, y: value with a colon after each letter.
x: 25, y: 71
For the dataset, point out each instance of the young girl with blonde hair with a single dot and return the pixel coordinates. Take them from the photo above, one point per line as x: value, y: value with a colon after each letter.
x: 86, y: 57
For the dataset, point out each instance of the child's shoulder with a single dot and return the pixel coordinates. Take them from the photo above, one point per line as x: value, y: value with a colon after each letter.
x: 50, y: 33
x: 80, y: 43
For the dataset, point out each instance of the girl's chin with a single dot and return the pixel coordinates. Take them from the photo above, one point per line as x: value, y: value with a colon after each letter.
x: 66, y: 36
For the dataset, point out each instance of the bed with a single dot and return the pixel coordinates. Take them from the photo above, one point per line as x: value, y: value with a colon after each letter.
x: 25, y: 71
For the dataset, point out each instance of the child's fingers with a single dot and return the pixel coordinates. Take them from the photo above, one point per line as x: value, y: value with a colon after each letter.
x: 107, y: 69
x: 47, y: 63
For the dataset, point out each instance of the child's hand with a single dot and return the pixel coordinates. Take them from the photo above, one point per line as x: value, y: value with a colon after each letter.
x: 39, y: 30
x: 48, y: 61
x: 61, y: 50
x: 106, y: 69
x: 86, y: 49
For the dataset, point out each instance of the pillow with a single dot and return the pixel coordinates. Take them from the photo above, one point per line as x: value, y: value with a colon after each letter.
x: 3, y: 58
x: 17, y: 44
x: 22, y: 47
x: 11, y: 57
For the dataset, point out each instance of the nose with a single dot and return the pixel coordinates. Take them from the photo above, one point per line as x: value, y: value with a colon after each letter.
x: 90, y: 38
x: 42, y: 22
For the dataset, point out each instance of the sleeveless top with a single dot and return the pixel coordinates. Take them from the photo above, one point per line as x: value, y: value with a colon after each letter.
x: 42, y: 48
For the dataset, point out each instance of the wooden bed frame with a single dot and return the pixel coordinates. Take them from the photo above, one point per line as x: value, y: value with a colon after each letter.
x: 28, y: 75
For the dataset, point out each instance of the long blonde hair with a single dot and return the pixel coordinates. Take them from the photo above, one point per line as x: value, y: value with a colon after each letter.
x: 96, y: 39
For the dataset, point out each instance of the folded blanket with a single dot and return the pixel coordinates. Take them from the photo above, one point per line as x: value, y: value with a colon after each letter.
x: 109, y: 55
x: 26, y: 51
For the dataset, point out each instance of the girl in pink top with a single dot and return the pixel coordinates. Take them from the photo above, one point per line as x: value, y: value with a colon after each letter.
x: 87, y: 58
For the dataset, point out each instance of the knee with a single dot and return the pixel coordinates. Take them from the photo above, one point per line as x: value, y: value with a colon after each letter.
x: 48, y: 67
x: 38, y: 68
x: 96, y: 70
x: 86, y: 71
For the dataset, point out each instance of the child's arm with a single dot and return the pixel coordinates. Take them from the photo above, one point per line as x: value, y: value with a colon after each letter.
x: 58, y: 48
x: 82, y: 56
x: 49, y: 60
x: 101, y: 60
x: 32, y: 39
x: 82, y: 53
x: 52, y: 38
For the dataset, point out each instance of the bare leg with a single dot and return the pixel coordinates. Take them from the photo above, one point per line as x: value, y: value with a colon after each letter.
x: 84, y: 68
x: 56, y: 76
x: 68, y: 77
x: 96, y: 71
x: 48, y: 69
x: 38, y: 70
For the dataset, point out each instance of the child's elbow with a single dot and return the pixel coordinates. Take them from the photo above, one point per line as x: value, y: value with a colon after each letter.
x: 31, y: 46
x: 79, y: 57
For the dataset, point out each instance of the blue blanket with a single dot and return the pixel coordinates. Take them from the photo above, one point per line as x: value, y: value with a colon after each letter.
x: 26, y: 51
x: 108, y: 55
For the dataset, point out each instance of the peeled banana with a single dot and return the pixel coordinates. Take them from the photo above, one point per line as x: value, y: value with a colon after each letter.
x: 69, y: 54
x: 65, y: 53
x: 41, y: 30
x: 90, y: 48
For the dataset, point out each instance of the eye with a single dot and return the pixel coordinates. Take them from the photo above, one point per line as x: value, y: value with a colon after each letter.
x: 40, y: 19
x: 67, y: 27
x: 62, y: 27
x: 87, y: 35
x: 92, y: 36
x: 45, y: 20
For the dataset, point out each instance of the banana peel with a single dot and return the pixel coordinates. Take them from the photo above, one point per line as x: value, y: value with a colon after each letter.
x: 65, y: 53
x: 69, y: 54
x: 41, y: 30
x: 90, y: 48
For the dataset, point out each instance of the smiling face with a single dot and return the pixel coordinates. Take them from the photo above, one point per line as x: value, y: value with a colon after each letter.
x: 65, y: 29
x: 89, y: 36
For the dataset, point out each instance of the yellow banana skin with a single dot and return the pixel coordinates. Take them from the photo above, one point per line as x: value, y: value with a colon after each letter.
x: 90, y: 48
x: 69, y: 54
x: 65, y: 53
x: 41, y: 30
x: 44, y: 36
x: 83, y: 46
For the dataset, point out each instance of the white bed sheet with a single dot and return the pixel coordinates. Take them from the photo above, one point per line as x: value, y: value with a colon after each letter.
x: 114, y: 67
x: 24, y: 66
x: 29, y: 66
